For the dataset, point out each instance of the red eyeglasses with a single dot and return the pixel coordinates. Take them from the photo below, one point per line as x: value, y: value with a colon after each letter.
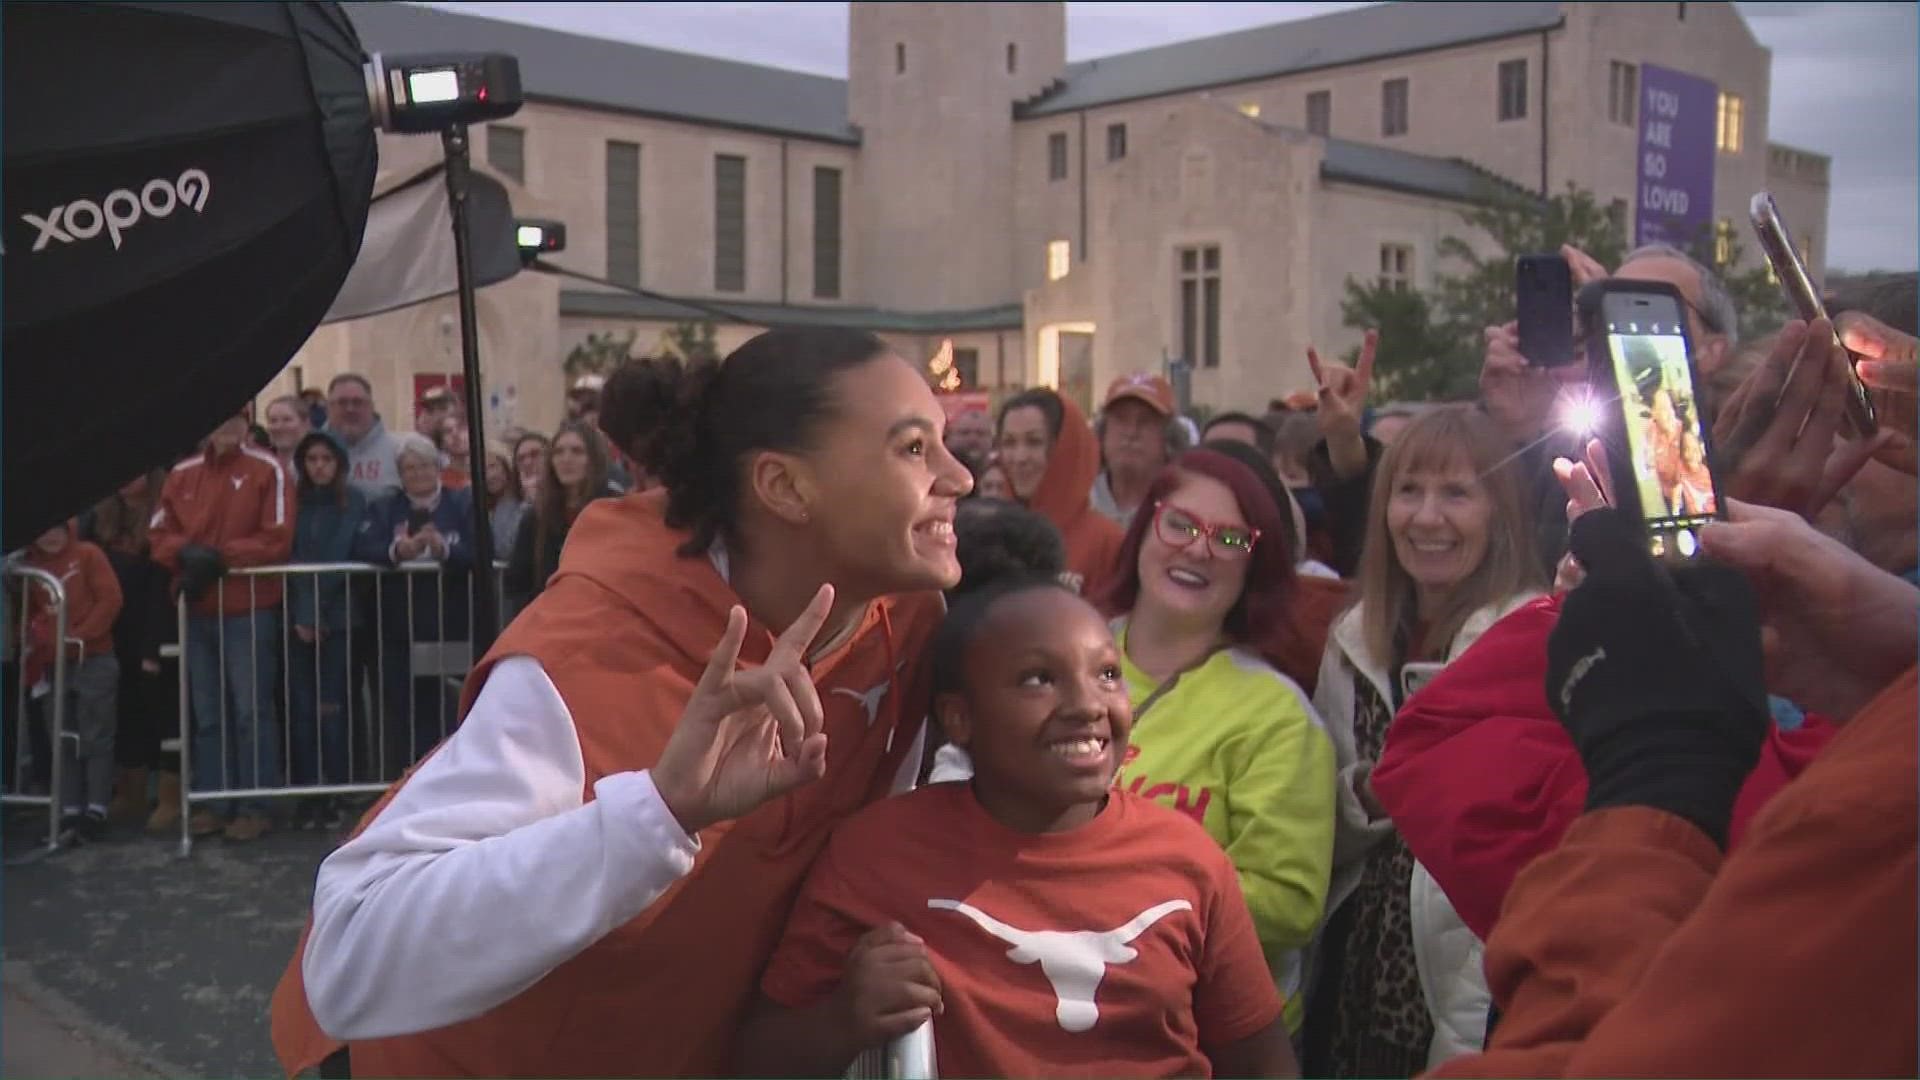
x: 1177, y: 528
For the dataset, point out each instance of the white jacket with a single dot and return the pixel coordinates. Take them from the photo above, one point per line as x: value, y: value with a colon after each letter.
x: 1449, y: 955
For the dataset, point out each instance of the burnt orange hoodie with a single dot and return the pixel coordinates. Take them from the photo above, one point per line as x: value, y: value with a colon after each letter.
x: 93, y: 592
x: 1636, y: 948
x: 623, y: 630
x: 1065, y: 498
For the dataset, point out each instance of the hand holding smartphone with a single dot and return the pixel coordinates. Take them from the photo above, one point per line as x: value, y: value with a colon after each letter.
x: 1798, y: 286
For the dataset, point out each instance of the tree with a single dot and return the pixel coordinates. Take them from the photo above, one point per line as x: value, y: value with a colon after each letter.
x: 598, y: 355
x: 1417, y: 360
x: 690, y: 341
x: 1430, y: 342
x: 1480, y: 294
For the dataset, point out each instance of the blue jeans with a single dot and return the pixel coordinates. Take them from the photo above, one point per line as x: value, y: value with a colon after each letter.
x: 318, y: 726
x: 234, y: 661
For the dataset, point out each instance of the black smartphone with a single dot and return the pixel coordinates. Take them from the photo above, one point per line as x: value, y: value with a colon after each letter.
x: 417, y: 519
x: 1543, y: 295
x: 1659, y: 450
x: 1776, y: 244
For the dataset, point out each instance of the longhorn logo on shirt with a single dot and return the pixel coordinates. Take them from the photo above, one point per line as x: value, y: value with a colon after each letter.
x: 871, y: 697
x: 1073, y: 961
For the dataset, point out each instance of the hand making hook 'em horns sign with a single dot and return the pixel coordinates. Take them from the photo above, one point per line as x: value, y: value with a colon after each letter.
x: 747, y: 736
x: 1342, y: 404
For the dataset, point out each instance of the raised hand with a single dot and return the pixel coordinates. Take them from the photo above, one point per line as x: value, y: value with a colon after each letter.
x: 1890, y: 366
x: 1519, y: 395
x: 747, y: 736
x: 1776, y: 434
x: 1343, y: 394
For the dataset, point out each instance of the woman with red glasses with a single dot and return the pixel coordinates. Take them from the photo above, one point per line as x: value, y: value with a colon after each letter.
x: 1205, y: 577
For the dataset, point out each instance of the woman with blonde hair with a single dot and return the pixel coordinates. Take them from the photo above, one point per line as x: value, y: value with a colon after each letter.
x: 1449, y: 551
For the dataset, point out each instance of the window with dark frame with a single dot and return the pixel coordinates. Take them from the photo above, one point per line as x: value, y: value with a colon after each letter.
x: 729, y: 223
x: 1623, y: 92
x: 1320, y: 112
x: 1513, y: 90
x: 826, y: 233
x: 1199, y: 288
x: 967, y: 363
x: 623, y: 213
x: 1057, y: 156
x: 1393, y: 107
x: 1116, y: 141
x: 1396, y: 266
x: 507, y: 151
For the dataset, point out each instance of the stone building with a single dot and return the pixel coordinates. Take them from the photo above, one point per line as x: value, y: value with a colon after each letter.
x: 1060, y: 223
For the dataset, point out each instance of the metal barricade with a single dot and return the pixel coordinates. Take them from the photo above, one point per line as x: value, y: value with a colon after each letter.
x: 381, y: 676
x: 909, y: 1057
x: 15, y: 793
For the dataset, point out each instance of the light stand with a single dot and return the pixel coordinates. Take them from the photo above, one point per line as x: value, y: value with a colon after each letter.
x: 486, y: 602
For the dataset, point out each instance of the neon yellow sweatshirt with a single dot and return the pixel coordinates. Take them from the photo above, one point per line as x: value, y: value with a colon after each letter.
x: 1236, y: 745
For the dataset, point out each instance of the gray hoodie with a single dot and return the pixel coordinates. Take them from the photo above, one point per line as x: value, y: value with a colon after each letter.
x: 374, y: 461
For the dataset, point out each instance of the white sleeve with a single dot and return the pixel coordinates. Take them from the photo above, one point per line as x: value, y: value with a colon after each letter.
x: 485, y: 872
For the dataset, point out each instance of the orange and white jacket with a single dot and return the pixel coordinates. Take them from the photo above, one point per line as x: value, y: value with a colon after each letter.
x: 241, y: 505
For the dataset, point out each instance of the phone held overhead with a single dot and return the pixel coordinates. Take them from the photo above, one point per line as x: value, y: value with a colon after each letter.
x: 1659, y: 449
x: 1798, y: 285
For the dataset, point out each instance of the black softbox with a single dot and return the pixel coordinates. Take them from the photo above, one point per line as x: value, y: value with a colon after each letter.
x: 186, y: 186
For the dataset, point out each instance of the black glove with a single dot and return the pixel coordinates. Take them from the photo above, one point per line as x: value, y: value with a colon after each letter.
x: 200, y: 567
x: 1656, y: 674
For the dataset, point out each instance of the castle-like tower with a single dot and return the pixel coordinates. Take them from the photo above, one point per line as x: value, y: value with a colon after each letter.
x: 932, y: 87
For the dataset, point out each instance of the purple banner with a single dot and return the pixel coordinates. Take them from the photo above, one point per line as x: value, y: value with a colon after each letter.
x: 1678, y: 117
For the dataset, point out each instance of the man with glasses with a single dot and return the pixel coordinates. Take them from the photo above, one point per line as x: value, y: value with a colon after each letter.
x: 371, y: 452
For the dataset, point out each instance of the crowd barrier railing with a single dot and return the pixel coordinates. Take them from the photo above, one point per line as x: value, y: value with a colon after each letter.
x: 15, y: 793
x: 327, y: 679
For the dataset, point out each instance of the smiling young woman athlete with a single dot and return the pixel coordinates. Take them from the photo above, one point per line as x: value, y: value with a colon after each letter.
x: 556, y: 890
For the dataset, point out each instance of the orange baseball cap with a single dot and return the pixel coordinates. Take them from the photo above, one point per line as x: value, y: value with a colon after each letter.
x: 1144, y: 386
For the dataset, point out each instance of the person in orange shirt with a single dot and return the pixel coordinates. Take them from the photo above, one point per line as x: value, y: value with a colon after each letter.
x: 1639, y: 947
x: 227, y: 507
x: 553, y: 891
x: 1044, y: 922
x: 93, y: 602
x: 1051, y: 458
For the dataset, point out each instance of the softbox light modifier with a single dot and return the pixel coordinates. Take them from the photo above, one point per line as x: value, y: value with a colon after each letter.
x: 185, y: 188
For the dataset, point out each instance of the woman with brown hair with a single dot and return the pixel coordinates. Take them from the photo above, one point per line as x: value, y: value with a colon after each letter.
x: 1051, y: 459
x: 503, y: 499
x: 1449, y: 551
x: 576, y: 475
x: 561, y: 888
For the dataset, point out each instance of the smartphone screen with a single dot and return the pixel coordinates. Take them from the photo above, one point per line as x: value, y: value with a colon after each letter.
x: 1543, y: 300
x: 1666, y: 464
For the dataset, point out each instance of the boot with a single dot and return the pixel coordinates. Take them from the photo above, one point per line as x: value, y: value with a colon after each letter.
x: 129, y: 804
x: 166, y: 815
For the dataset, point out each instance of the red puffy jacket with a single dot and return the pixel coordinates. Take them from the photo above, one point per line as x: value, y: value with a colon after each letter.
x: 1480, y: 778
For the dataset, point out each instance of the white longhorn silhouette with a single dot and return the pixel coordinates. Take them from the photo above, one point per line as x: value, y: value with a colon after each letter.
x: 869, y: 700
x: 1074, y: 961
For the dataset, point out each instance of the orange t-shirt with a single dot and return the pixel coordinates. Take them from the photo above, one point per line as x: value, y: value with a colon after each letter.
x: 1120, y: 948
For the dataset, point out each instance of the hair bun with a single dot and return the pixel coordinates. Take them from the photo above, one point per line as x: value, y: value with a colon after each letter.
x: 651, y: 408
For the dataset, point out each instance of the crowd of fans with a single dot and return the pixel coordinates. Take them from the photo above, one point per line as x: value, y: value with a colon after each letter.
x: 1338, y: 739
x: 314, y: 678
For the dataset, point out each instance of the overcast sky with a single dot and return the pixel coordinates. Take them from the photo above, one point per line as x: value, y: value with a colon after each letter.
x: 1844, y: 80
